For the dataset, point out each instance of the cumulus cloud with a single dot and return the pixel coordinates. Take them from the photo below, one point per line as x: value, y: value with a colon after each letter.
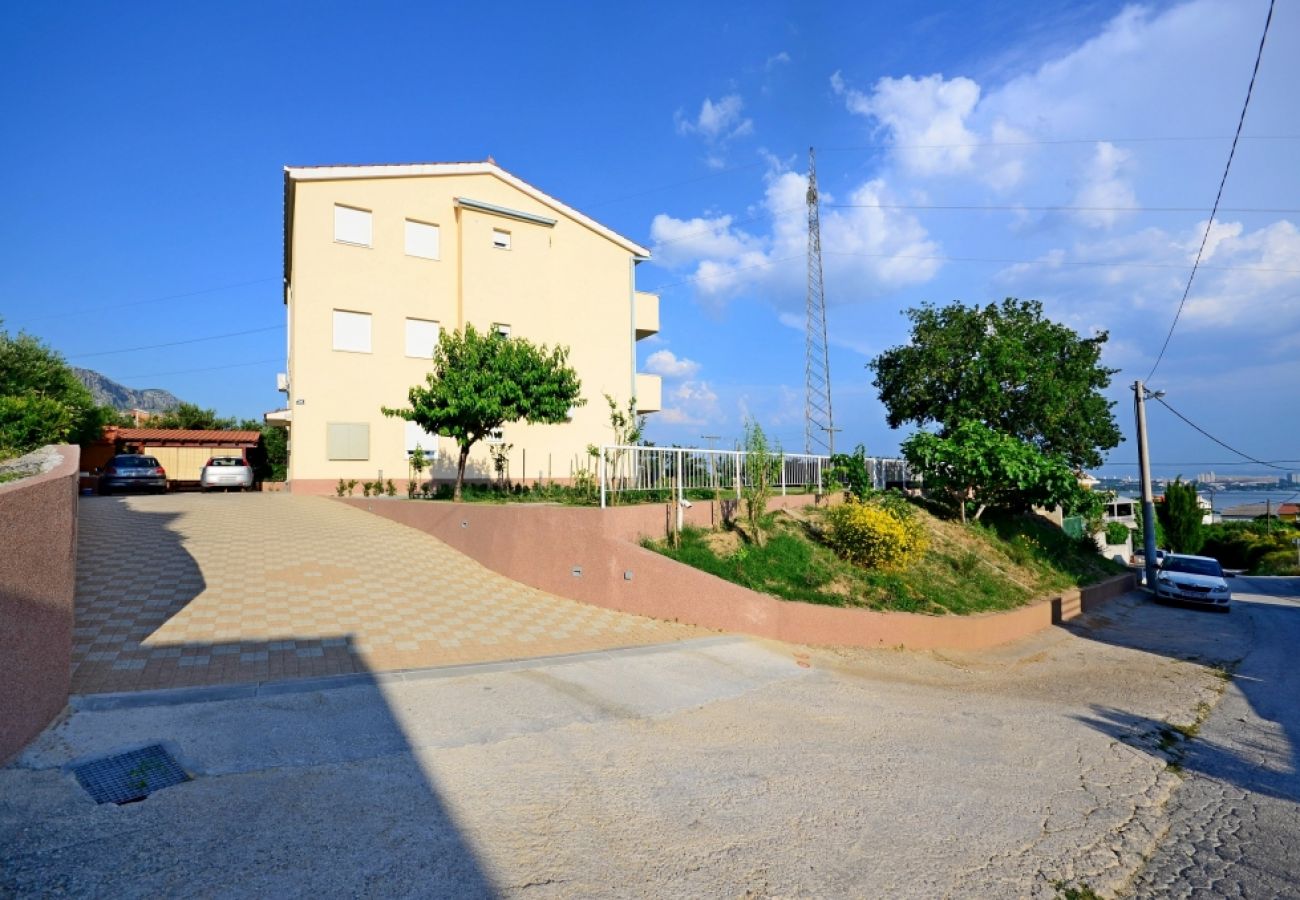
x: 667, y: 364
x: 867, y: 249
x: 717, y: 122
x: 1106, y: 189
x: 689, y: 403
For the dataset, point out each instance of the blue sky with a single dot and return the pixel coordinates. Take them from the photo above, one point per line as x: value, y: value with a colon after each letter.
x: 147, y: 143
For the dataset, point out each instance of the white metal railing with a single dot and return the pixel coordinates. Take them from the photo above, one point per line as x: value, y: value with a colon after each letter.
x: 631, y: 469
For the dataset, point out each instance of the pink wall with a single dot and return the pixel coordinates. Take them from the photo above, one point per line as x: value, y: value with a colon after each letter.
x: 541, y: 545
x: 38, y: 571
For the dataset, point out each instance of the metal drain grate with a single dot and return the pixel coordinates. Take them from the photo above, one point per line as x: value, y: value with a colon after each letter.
x: 130, y: 776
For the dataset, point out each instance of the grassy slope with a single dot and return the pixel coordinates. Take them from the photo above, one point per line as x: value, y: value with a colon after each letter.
x: 998, y: 565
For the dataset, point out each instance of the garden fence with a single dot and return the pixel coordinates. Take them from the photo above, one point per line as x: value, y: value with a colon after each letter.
x: 630, y: 469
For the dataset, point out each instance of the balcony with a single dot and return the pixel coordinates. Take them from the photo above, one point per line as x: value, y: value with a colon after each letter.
x: 649, y: 393
x: 647, y: 314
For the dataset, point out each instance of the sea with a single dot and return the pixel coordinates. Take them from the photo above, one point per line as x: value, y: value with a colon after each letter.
x: 1227, y: 499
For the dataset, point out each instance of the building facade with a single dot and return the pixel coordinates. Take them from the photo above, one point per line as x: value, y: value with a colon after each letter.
x: 380, y: 259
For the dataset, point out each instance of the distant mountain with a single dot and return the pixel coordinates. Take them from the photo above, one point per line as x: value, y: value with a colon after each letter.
x: 119, y: 396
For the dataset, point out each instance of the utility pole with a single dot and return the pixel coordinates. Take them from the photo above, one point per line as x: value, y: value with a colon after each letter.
x: 1148, y: 498
x: 830, y: 439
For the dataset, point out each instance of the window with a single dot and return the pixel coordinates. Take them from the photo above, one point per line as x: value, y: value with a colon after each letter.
x: 347, y: 440
x: 500, y: 329
x: 351, y: 226
x: 351, y: 331
x: 500, y: 239
x: 421, y: 338
x: 415, y: 435
x: 496, y: 436
x: 423, y: 240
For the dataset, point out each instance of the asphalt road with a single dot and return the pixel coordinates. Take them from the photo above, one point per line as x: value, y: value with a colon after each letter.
x: 1234, y: 822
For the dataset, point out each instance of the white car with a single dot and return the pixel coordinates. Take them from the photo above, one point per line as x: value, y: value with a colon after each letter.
x: 229, y: 472
x: 1193, y: 579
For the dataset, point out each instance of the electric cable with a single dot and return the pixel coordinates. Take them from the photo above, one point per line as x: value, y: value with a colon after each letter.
x: 1225, y: 446
x: 1218, y: 196
x: 212, y: 337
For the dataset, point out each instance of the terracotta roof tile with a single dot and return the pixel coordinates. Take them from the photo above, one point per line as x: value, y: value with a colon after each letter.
x: 188, y: 436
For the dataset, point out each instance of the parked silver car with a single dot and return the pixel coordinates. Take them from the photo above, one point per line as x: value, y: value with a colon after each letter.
x: 1193, y: 579
x: 228, y: 472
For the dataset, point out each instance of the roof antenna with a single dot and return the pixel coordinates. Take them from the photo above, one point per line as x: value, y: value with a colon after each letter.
x: 491, y: 160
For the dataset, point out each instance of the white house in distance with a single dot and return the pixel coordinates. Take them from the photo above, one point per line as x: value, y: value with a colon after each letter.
x: 379, y: 259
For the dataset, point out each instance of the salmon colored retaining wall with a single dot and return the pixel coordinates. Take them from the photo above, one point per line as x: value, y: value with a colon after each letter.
x: 38, y: 573
x: 591, y: 555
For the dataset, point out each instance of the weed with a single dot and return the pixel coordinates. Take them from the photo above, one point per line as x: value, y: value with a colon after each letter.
x: 1081, y: 891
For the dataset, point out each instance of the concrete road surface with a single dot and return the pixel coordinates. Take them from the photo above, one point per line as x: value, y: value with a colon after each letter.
x: 718, y: 767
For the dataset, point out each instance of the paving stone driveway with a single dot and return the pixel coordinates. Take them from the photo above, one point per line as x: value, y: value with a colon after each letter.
x: 192, y: 589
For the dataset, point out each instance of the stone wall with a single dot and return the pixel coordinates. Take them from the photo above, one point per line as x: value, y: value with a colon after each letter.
x: 38, y: 567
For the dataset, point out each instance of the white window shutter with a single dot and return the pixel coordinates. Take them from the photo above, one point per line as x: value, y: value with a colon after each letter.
x: 351, y: 331
x: 352, y: 226
x: 415, y: 435
x: 421, y: 337
x: 423, y: 240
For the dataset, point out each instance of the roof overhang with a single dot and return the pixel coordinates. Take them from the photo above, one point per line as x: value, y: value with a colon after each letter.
x: 293, y: 174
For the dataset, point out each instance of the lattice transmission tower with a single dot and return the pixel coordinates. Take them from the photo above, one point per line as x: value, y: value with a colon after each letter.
x: 819, y: 423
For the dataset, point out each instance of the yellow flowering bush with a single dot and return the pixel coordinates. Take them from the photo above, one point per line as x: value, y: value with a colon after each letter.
x: 873, y: 537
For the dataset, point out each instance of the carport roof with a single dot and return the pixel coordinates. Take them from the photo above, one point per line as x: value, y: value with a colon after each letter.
x: 180, y: 437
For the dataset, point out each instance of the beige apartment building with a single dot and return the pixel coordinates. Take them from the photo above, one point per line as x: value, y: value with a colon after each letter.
x: 379, y: 259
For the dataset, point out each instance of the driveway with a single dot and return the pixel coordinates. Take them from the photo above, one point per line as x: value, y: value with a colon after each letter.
x: 722, y: 767
x: 193, y: 589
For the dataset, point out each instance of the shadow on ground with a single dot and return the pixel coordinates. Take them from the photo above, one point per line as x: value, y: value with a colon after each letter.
x: 1252, y: 650
x: 336, y: 828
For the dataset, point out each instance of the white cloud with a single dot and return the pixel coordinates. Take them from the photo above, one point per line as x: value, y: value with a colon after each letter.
x: 1106, y: 188
x: 779, y: 59
x: 690, y: 403
x: 717, y: 122
x: 667, y: 364
x: 866, y: 249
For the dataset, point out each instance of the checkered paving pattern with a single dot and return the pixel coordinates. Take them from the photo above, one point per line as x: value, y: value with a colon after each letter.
x: 193, y: 589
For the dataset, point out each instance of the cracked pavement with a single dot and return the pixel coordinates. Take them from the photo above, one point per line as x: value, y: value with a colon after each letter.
x: 718, y: 767
x: 1234, y: 823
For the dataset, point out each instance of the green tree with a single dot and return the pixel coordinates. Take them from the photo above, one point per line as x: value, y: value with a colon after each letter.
x: 190, y: 416
x: 41, y: 400
x: 1138, y: 529
x: 763, y: 462
x: 1181, y: 517
x: 629, y: 431
x: 1006, y: 366
x: 988, y: 468
x: 275, y: 441
x: 481, y: 382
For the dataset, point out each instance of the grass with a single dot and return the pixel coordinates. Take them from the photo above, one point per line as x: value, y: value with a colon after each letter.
x: 12, y: 476
x: 968, y: 569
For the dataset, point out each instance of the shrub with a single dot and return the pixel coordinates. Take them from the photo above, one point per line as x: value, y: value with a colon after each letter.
x: 1116, y: 532
x: 342, y: 488
x: 871, y: 536
x: 1278, y: 562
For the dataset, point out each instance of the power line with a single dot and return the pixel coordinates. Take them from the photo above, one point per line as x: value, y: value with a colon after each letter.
x: 256, y: 362
x: 1054, y: 208
x: 213, y: 337
x: 1218, y: 196
x: 1058, y: 142
x: 1216, y: 440
x: 108, y: 306
x: 968, y: 259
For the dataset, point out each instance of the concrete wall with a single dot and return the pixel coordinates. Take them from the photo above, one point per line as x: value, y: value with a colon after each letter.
x: 543, y: 546
x: 38, y: 568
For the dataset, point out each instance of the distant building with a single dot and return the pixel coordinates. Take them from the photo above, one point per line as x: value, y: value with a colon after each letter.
x: 1247, y: 512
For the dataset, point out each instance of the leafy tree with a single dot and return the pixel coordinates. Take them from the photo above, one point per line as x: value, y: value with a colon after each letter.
x: 190, y: 416
x: 763, y: 463
x: 480, y: 382
x: 1181, y: 517
x: 848, y: 471
x: 275, y: 441
x: 1007, y: 367
x: 41, y: 400
x: 629, y: 431
x: 989, y: 468
x: 1138, y: 528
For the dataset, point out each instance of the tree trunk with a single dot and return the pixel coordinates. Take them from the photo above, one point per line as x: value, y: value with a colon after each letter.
x: 460, y: 472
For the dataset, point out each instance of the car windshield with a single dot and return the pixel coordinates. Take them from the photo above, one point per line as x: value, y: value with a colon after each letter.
x: 226, y: 461
x: 1192, y: 566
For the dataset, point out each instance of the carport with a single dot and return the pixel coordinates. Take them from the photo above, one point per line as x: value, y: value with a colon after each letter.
x: 182, y: 452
